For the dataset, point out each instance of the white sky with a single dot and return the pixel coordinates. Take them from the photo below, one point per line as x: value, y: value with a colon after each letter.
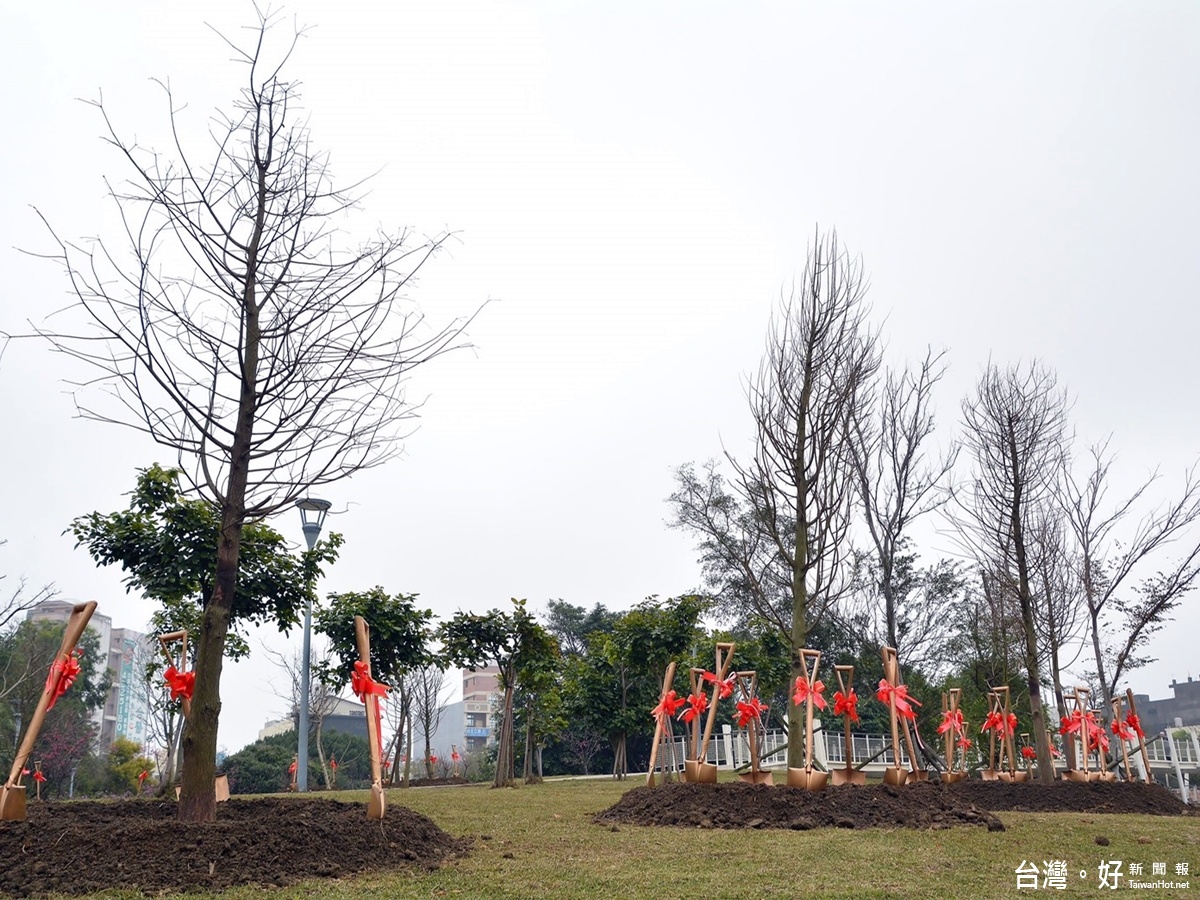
x: 633, y: 184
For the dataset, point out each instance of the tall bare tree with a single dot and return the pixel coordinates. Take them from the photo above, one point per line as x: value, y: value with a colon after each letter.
x: 774, y: 540
x: 234, y: 327
x: 899, y: 481
x: 1111, y: 558
x: 428, y: 707
x: 1015, y: 428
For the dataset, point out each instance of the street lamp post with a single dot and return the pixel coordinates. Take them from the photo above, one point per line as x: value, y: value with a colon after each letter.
x: 312, y: 517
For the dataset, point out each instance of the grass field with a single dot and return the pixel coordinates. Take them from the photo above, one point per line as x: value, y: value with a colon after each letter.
x: 539, y: 841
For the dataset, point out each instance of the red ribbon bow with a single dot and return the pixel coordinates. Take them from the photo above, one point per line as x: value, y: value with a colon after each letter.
x: 365, y: 686
x: 724, y: 688
x: 1072, y: 723
x: 746, y: 712
x: 952, y: 721
x: 456, y: 757
x: 333, y: 763
x: 846, y: 705
x: 1028, y: 752
x: 62, y: 675
x: 1010, y: 725
x: 803, y: 690
x: 38, y: 776
x: 182, y: 684
x: 697, y: 704
x: 433, y: 760
x: 1131, y: 719
x: 669, y: 706
x: 964, y: 743
x: 993, y: 722
x: 900, y: 692
x: 292, y: 768
x: 1122, y: 730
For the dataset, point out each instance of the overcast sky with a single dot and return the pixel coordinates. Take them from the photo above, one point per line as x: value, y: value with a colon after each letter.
x: 633, y: 184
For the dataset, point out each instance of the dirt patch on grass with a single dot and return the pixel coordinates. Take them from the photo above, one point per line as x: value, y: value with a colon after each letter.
x: 80, y: 847
x: 924, y: 805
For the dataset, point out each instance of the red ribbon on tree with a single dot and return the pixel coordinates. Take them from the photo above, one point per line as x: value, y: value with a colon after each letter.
x: 182, y: 684
x: 747, y: 712
x: 668, y: 707
x: 697, y: 704
x: 802, y: 690
x: 846, y: 704
x: 903, y: 700
x: 724, y: 688
x: 63, y: 673
x: 364, y: 686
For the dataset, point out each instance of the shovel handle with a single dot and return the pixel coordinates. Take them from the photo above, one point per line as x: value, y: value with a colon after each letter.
x: 80, y: 614
x: 658, y: 725
x: 362, y: 635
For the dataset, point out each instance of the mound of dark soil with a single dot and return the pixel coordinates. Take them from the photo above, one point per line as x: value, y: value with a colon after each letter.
x: 1072, y: 796
x: 740, y: 805
x: 922, y: 805
x: 83, y: 846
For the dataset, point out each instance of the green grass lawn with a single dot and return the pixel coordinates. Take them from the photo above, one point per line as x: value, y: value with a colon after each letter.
x: 539, y: 841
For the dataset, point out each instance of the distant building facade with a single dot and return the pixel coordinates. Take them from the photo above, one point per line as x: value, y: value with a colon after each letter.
x: 126, y: 709
x: 1181, y: 710
x: 481, y: 693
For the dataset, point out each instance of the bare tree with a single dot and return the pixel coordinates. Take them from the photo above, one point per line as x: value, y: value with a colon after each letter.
x: 1109, y: 561
x: 1014, y: 426
x: 233, y: 328
x: 774, y: 542
x: 322, y: 697
x: 22, y: 599
x: 428, y: 707
x: 898, y: 482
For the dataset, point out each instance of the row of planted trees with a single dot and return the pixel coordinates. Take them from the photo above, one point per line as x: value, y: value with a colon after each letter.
x: 813, y: 534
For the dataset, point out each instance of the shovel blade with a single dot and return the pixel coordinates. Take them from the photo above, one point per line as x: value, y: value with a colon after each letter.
x: 809, y: 779
x: 848, y: 776
x: 989, y: 774
x: 689, y: 773
x: 1076, y: 775
x: 1020, y: 777
x: 12, y: 803
x: 895, y: 776
x: 706, y: 773
x: 376, y: 802
x: 918, y: 775
x: 951, y: 777
x: 759, y: 777
x: 221, y: 788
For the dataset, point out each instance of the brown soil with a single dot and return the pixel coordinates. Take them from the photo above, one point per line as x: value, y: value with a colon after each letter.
x: 926, y: 805
x: 79, y: 847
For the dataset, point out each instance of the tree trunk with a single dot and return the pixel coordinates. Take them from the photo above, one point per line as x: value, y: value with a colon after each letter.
x: 408, y: 748
x: 1041, y: 738
x: 504, y: 754
x: 320, y: 723
x: 527, y: 773
x: 197, y: 802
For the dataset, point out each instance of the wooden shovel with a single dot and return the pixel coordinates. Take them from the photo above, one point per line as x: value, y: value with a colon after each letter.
x: 807, y: 777
x: 1082, y: 773
x: 377, y: 801
x: 691, y: 760
x: 990, y: 773
x: 747, y: 689
x: 706, y: 772
x: 180, y: 664
x: 12, y: 795
x: 658, y: 725
x: 895, y: 774
x: 1141, y: 737
x: 950, y: 701
x: 848, y: 774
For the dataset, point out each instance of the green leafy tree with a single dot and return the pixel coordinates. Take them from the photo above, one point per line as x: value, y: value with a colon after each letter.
x: 400, y: 634
x: 124, y: 762
x: 625, y: 668
x: 513, y: 642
